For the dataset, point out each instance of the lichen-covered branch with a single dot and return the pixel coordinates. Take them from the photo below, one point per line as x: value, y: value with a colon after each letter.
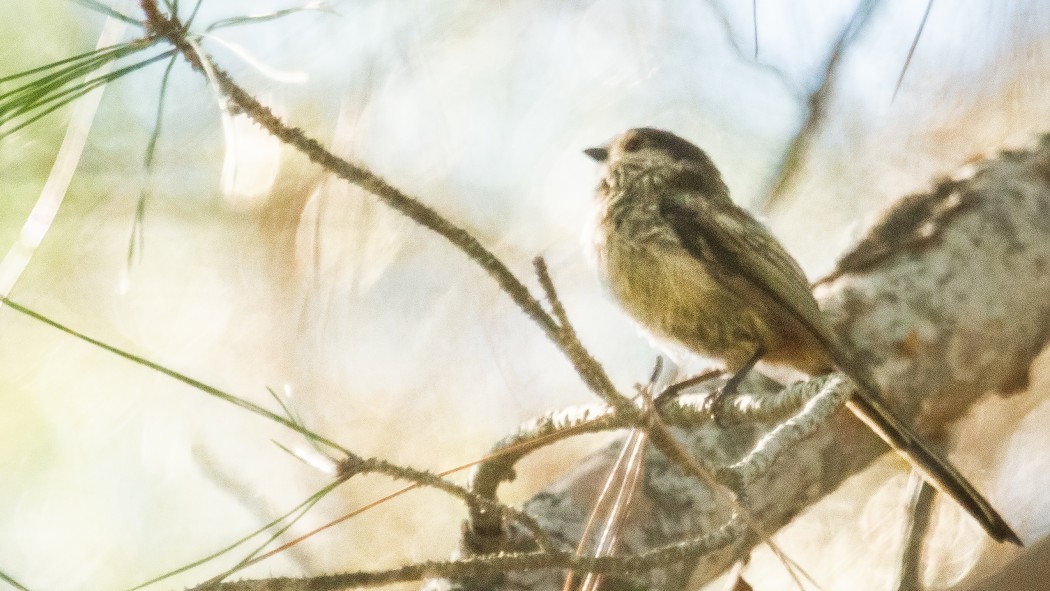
x: 939, y: 319
x: 955, y: 312
x: 496, y: 565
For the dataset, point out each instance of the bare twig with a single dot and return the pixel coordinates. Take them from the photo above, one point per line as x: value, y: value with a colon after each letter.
x: 813, y: 400
x: 911, y: 51
x: 754, y: 24
x: 420, y: 478
x: 743, y: 54
x: 666, y: 442
x: 675, y: 389
x: 593, y: 375
x: 355, y: 465
x: 817, y: 104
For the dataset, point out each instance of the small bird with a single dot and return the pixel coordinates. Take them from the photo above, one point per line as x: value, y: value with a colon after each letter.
x: 701, y: 275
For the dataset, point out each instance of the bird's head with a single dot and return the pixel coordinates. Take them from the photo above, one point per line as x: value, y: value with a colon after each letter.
x: 654, y: 155
x: 648, y: 147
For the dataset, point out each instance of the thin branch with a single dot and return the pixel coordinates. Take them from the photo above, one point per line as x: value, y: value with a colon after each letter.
x: 552, y: 295
x: 825, y: 395
x: 484, y: 532
x: 356, y: 465
x: 811, y: 400
x: 742, y: 53
x: 593, y: 375
x: 818, y: 399
x: 817, y: 103
x: 666, y: 442
x: 911, y: 51
x: 420, y: 478
x: 7, y: 579
x: 754, y: 24
x: 480, y: 566
x: 513, y: 449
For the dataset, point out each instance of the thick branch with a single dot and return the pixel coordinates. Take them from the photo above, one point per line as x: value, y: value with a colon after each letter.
x: 944, y: 317
x: 941, y: 344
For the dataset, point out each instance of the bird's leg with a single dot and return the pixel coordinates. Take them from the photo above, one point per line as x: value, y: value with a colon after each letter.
x: 664, y: 374
x: 729, y: 388
x: 670, y: 392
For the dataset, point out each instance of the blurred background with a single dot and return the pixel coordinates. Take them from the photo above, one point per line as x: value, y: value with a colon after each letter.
x: 252, y: 270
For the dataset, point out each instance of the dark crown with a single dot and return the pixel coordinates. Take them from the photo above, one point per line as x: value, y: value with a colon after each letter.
x: 665, y: 141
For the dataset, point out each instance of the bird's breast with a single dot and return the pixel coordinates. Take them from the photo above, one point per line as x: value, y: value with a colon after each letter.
x: 675, y: 298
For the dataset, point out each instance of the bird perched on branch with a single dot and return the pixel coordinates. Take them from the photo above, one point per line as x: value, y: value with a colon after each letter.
x: 698, y: 273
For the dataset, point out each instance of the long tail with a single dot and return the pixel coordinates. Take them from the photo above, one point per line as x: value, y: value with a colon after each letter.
x: 935, y: 469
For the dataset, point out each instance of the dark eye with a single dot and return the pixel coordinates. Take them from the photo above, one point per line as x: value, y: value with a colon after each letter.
x: 632, y: 144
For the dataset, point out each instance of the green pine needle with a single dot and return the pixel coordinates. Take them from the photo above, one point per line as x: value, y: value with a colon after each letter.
x: 201, y: 386
x: 12, y: 582
x: 298, y: 511
x: 269, y: 16
x: 109, y: 11
x: 54, y: 85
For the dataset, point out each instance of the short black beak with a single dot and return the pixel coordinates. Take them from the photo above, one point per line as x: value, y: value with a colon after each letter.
x: 599, y: 154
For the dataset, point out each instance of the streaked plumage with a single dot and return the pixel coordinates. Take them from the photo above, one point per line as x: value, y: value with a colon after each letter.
x: 700, y: 274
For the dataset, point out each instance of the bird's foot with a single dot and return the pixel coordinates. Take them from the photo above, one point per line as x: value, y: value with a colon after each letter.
x: 714, y: 404
x: 716, y: 401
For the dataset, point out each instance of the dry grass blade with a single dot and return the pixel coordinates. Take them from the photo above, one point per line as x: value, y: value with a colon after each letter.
x: 624, y: 477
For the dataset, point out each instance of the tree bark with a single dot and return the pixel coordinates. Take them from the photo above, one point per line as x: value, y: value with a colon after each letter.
x: 946, y: 298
